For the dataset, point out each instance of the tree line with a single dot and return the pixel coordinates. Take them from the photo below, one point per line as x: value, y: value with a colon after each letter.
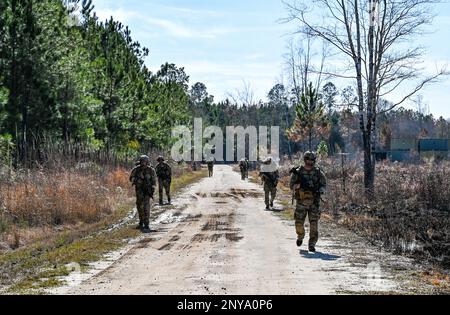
x: 67, y: 77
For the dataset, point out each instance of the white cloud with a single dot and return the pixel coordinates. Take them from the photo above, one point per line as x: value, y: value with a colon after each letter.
x: 194, y: 12
x: 120, y: 14
x: 172, y: 28
x: 183, y: 31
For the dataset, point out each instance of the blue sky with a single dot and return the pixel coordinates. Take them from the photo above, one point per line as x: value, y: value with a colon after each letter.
x: 224, y: 43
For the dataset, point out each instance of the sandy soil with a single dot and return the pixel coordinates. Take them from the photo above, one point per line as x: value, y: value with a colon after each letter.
x: 218, y: 239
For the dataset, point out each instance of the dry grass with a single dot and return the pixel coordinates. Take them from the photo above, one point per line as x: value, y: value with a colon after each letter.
x: 47, y: 198
x: 36, y: 204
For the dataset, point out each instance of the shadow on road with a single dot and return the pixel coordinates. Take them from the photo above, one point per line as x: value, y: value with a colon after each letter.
x: 319, y: 255
x: 275, y: 210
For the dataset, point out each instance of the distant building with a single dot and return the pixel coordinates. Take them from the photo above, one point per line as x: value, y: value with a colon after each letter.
x: 433, y: 147
x: 414, y: 149
x: 403, y: 149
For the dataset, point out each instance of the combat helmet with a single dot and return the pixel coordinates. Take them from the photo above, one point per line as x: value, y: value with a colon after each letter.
x: 309, y: 155
x: 144, y: 158
x: 160, y: 159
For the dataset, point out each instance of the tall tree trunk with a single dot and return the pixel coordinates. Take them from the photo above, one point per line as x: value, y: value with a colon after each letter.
x: 371, y: 107
x: 310, y: 139
x: 366, y: 133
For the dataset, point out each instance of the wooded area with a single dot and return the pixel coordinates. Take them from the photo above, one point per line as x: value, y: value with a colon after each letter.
x: 78, y: 86
x: 68, y: 78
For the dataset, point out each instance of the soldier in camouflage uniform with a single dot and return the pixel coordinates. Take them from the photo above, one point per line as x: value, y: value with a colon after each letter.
x: 164, y: 173
x: 143, y: 177
x: 308, y: 183
x: 270, y: 179
x: 243, y: 167
x: 210, y: 164
x: 247, y: 167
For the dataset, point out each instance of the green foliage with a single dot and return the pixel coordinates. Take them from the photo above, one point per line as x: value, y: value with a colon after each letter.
x: 6, y: 149
x: 81, y: 80
x: 322, y: 149
x: 329, y: 94
x: 311, y: 120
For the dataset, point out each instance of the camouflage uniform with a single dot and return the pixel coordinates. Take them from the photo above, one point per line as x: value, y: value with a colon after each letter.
x: 210, y: 164
x: 243, y: 166
x: 144, y: 180
x: 270, y: 180
x: 247, y: 168
x: 312, y: 184
x: 164, y: 173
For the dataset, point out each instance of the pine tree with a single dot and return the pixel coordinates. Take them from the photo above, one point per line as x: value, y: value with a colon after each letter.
x: 311, y: 121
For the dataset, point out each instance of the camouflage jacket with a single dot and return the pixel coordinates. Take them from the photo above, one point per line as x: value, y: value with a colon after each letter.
x: 243, y: 165
x: 144, y: 178
x: 270, y: 178
x: 163, y: 170
x: 310, y: 181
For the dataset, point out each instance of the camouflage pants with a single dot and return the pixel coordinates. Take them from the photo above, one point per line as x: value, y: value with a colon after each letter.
x: 143, y: 207
x: 270, y: 192
x: 313, y: 212
x: 210, y: 171
x: 243, y: 175
x: 164, y: 183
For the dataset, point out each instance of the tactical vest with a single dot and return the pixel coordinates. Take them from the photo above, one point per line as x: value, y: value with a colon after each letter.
x: 309, y: 181
x: 271, y: 178
x: 163, y: 170
x: 138, y: 177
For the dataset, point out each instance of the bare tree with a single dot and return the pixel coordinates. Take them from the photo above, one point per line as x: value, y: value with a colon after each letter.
x: 376, y: 36
x: 244, y: 95
x: 300, y: 66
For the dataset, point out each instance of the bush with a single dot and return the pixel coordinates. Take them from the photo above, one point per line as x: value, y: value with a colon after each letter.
x: 409, y: 211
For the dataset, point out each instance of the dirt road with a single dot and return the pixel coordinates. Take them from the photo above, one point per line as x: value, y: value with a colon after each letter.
x: 218, y: 239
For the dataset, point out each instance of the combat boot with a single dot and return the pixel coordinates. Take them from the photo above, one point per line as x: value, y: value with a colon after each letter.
x: 299, y: 242
x: 140, y: 226
x: 312, y: 249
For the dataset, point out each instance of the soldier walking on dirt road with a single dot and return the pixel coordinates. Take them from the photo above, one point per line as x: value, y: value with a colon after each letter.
x: 270, y: 176
x: 210, y: 164
x: 164, y: 173
x: 143, y: 177
x: 243, y: 166
x: 308, y: 183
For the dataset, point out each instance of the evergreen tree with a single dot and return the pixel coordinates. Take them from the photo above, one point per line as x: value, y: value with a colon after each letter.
x: 311, y: 121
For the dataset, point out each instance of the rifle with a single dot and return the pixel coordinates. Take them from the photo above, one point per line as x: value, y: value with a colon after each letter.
x: 293, y: 171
